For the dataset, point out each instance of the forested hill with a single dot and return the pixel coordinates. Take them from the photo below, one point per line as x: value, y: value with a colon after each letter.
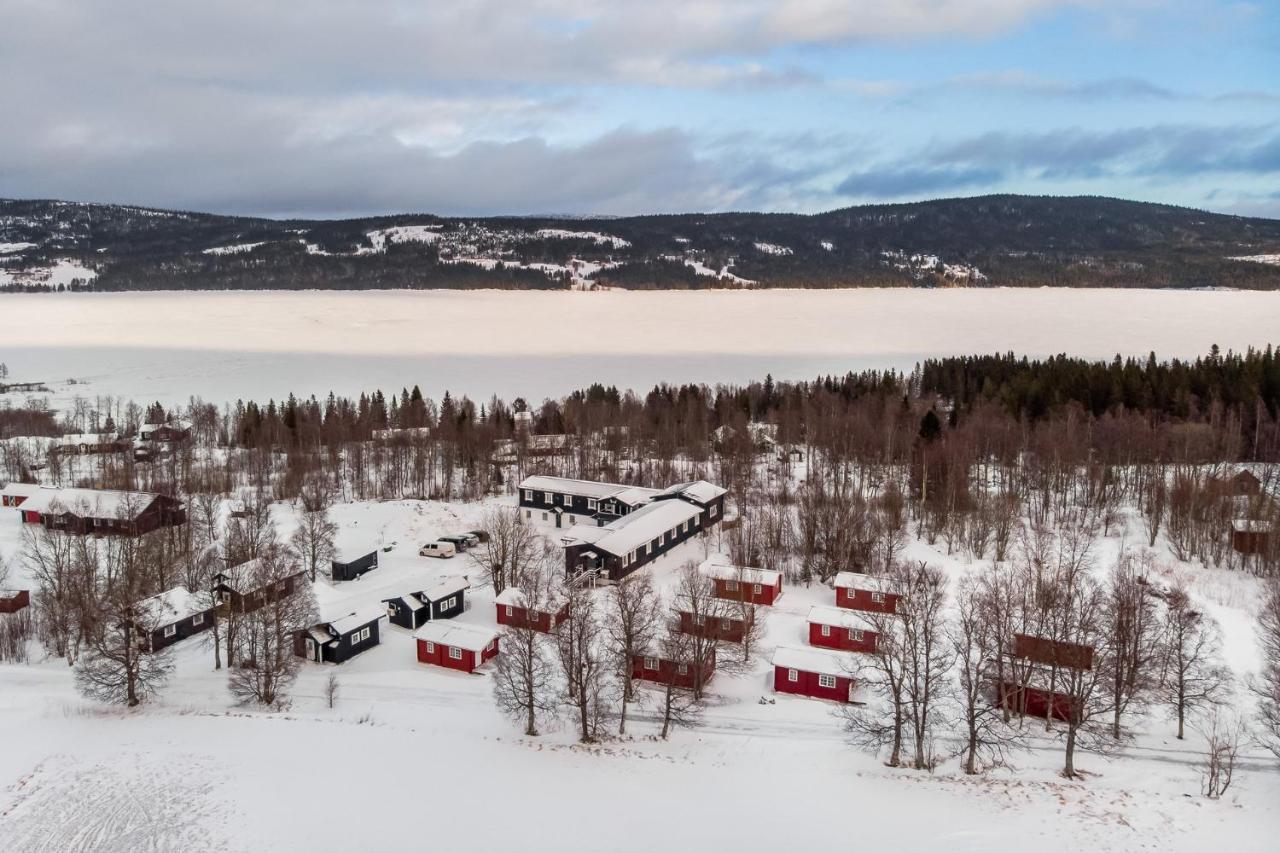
x: 972, y: 242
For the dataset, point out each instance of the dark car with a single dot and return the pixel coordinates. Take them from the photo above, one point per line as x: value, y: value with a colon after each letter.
x: 461, y: 541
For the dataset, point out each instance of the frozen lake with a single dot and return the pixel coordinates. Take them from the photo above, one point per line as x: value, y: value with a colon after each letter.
x: 228, y: 345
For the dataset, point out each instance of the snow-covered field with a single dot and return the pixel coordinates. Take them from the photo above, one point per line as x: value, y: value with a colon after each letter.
x: 415, y: 757
x: 224, y: 346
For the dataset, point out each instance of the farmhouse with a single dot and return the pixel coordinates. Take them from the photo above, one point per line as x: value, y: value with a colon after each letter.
x: 566, y: 502
x: 1037, y: 662
x: 866, y: 592
x: 348, y: 569
x: 514, y: 610
x: 842, y: 629
x: 687, y: 674
x: 456, y: 646
x: 1250, y: 536
x: 625, y: 545
x: 174, y: 432
x: 171, y: 616
x: 102, y: 511
x: 339, y: 639
x: 730, y: 629
x: 14, y: 494
x: 815, y: 673
x: 443, y: 600
x: 736, y: 583
x: 13, y: 600
x: 235, y: 595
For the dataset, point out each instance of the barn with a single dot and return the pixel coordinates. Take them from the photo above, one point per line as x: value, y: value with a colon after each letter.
x: 816, y: 673
x: 13, y: 600
x: 444, y: 600
x: 868, y: 593
x: 513, y: 610
x: 654, y: 667
x: 171, y: 616
x: 1250, y: 536
x: 842, y: 629
x: 456, y: 646
x: 14, y: 494
x: 340, y: 639
x: 726, y: 628
x: 349, y: 569
x: 736, y: 583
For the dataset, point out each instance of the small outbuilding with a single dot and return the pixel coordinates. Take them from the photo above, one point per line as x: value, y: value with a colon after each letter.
x: 868, y: 593
x: 171, y: 617
x: 1250, y: 536
x: 13, y: 600
x: 350, y: 569
x: 443, y: 600
x: 514, y: 610
x: 816, y: 673
x: 842, y: 629
x: 456, y: 646
x: 341, y: 639
x: 738, y: 583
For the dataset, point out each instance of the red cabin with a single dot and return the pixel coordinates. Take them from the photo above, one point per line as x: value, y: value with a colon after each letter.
x: 726, y: 628
x: 461, y: 647
x: 866, y: 592
x: 663, y: 671
x: 815, y: 673
x: 513, y: 610
x: 13, y: 600
x: 736, y: 583
x: 1035, y: 700
x: 846, y: 630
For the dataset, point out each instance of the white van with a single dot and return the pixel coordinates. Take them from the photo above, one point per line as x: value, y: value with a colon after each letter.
x: 438, y: 549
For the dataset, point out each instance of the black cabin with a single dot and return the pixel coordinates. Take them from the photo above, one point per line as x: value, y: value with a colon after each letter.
x: 414, y: 609
x: 339, y: 640
x: 352, y: 569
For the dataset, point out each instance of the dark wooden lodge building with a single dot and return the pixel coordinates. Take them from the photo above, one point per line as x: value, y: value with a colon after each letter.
x: 445, y: 600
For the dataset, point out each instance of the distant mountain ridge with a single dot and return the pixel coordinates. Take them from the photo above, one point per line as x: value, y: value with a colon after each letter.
x: 986, y: 241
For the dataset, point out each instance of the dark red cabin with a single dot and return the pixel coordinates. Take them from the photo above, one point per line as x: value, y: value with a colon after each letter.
x: 736, y: 583
x: 845, y: 630
x: 513, y: 610
x: 726, y: 628
x: 664, y: 671
x: 866, y: 592
x: 815, y: 673
x: 13, y: 600
x: 456, y: 646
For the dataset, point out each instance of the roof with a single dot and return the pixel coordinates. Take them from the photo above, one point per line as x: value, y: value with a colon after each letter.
x: 94, y: 503
x: 726, y: 572
x: 841, y: 617
x: 172, y: 605
x: 320, y: 634
x: 363, y: 616
x: 21, y: 489
x: 410, y: 600
x: 697, y: 490
x: 635, y: 496
x: 584, y: 488
x: 446, y: 587
x: 86, y: 438
x: 872, y: 583
x: 470, y: 637
x: 820, y: 661
x: 515, y: 597
x: 644, y: 525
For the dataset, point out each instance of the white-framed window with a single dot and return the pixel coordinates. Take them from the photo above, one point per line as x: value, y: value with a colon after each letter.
x: 826, y: 681
x: 712, y: 513
x: 568, y: 500
x: 591, y: 504
x: 449, y: 602
x: 651, y: 663
x: 826, y: 630
x: 197, y: 619
x: 793, y: 675
x: 648, y: 548
x: 528, y: 494
x: 360, y: 636
x: 855, y: 634
x: 507, y: 608
x: 755, y: 588
x: 683, y: 668
x: 731, y: 586
x: 455, y: 653
x: 99, y: 522
x: 170, y: 630
x: 877, y: 597
x: 662, y: 537
x: 548, y: 497
x: 431, y: 647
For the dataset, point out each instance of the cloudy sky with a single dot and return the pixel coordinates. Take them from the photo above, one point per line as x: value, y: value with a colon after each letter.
x: 594, y: 107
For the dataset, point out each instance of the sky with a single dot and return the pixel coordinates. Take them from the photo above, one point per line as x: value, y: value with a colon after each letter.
x: 588, y: 107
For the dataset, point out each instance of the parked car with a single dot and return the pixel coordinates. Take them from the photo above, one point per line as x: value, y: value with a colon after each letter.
x: 461, y: 541
x: 443, y: 550
x: 481, y: 536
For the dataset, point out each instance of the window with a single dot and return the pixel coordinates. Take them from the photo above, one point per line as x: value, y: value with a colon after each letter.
x: 568, y: 500
x: 591, y: 504
x: 877, y: 597
x: 528, y: 494
x: 198, y: 619
x: 650, y: 663
x: 528, y: 513
x: 826, y: 681
x: 99, y: 522
x: 855, y: 635
x: 449, y: 602
x: 662, y: 537
x: 826, y: 630
x: 507, y: 608
x: 170, y: 630
x: 648, y: 548
x: 792, y: 675
x: 699, y: 619
x: 548, y: 497
x: 731, y: 586
x: 360, y: 636
x: 683, y: 668
x: 756, y: 589
x: 544, y: 516
x: 726, y: 624
x: 431, y: 647
x: 573, y: 519
x: 712, y: 513
x: 455, y: 653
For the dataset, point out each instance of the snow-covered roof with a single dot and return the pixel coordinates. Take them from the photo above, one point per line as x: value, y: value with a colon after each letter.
x: 363, y: 616
x: 99, y: 503
x: 10, y: 593
x: 1251, y: 525
x: 410, y: 600
x: 584, y: 488
x: 446, y: 587
x: 644, y: 525
x: 20, y: 489
x: 470, y: 637
x: 86, y: 438
x: 170, y: 606
x: 857, y: 580
x: 820, y: 661
x: 840, y: 617
x: 716, y: 568
x: 635, y: 496
x: 698, y: 490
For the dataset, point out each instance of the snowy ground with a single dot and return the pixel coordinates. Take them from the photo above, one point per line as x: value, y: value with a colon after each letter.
x: 414, y: 756
x: 224, y: 346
